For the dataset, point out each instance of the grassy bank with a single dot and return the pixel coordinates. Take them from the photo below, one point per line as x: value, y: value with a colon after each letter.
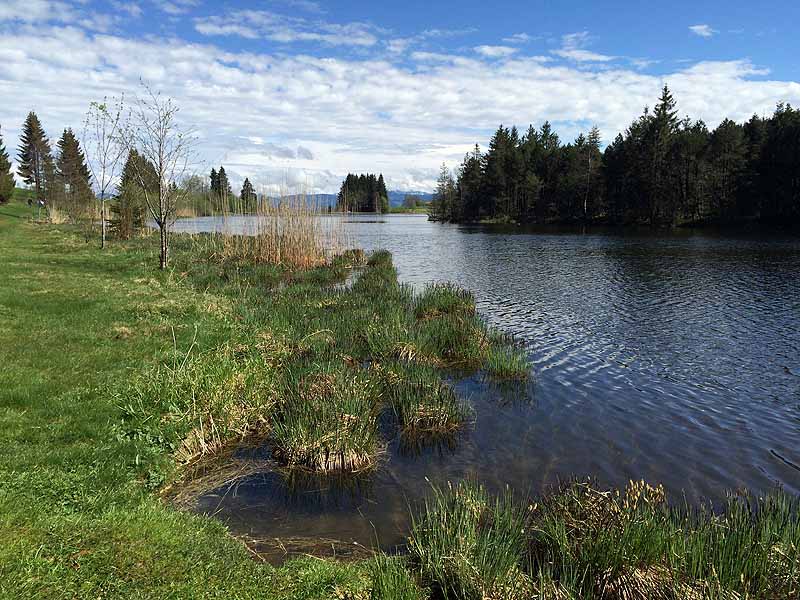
x: 116, y: 376
x: 116, y: 379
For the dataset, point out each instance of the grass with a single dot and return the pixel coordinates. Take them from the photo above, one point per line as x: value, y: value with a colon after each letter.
x: 118, y: 379
x: 328, y: 419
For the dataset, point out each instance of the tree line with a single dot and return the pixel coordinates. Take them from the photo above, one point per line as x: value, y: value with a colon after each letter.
x: 363, y: 193
x: 661, y: 171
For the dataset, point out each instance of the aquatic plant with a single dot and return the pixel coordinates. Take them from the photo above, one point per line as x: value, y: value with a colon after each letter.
x: 455, y: 340
x: 390, y: 579
x: 422, y: 403
x: 328, y: 419
x: 467, y: 545
x: 507, y: 362
x: 440, y: 299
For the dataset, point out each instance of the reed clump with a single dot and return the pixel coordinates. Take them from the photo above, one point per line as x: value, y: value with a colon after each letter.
x: 328, y: 420
x: 468, y: 545
x: 584, y: 542
x: 293, y: 232
x: 422, y: 403
x: 440, y: 299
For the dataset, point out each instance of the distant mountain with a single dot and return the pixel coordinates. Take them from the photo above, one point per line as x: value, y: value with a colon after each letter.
x: 396, y: 198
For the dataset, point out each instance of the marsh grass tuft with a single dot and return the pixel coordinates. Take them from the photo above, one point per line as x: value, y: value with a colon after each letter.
x: 468, y: 545
x: 440, y: 299
x: 328, y: 419
x: 391, y: 580
x: 423, y: 404
x: 507, y: 362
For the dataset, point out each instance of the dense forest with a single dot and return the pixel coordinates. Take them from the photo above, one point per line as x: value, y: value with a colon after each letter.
x: 363, y: 193
x: 662, y: 171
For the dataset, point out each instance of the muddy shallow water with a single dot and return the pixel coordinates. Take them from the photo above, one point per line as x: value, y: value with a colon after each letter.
x: 673, y: 357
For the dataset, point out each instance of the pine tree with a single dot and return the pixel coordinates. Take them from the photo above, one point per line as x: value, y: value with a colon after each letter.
x: 128, y: 212
x: 73, y: 174
x: 35, y: 158
x: 248, y: 195
x: 7, y: 182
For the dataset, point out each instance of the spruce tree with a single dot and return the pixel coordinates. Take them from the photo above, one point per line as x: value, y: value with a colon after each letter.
x: 34, y: 157
x: 7, y: 182
x: 248, y: 195
x: 73, y: 174
x: 128, y: 212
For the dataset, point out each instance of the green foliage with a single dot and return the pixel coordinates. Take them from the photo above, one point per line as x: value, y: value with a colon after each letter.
x: 661, y: 171
x: 444, y: 299
x: 467, y: 545
x: 423, y: 404
x: 363, y: 193
x: 129, y: 208
x: 391, y: 580
x: 73, y: 192
x: 7, y: 182
x: 328, y: 419
x: 35, y: 159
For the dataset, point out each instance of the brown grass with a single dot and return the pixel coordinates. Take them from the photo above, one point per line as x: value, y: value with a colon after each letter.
x: 293, y: 232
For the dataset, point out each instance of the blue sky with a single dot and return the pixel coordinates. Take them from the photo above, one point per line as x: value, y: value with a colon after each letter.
x: 296, y: 93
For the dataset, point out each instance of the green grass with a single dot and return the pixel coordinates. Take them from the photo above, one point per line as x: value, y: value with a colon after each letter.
x: 77, y: 515
x: 117, y: 377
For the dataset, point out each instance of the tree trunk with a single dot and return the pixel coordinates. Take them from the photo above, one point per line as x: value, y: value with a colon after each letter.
x: 164, y: 259
x: 102, y: 221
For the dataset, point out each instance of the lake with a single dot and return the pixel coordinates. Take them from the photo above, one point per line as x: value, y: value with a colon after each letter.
x: 668, y: 356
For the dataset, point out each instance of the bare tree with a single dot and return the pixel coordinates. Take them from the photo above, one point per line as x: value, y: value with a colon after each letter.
x: 101, y: 137
x: 153, y: 131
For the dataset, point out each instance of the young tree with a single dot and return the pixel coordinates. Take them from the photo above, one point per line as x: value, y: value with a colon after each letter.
x: 154, y: 132
x: 101, y: 140
x: 34, y: 157
x: 7, y: 182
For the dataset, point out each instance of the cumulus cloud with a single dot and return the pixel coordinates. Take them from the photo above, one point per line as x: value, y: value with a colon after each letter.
x: 495, y: 51
x: 310, y: 120
x: 176, y: 7
x: 573, y: 48
x: 256, y: 24
x: 703, y: 30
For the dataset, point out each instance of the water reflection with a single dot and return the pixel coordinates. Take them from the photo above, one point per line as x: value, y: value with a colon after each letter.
x: 670, y: 357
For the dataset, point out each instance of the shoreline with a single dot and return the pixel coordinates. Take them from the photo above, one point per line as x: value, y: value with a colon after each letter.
x: 105, y: 351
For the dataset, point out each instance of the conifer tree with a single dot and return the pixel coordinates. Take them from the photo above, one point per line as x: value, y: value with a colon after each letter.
x: 248, y: 195
x: 128, y: 212
x: 34, y: 157
x: 7, y: 182
x: 73, y: 174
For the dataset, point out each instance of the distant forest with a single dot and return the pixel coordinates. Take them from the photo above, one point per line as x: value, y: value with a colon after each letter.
x: 662, y: 171
x: 363, y: 193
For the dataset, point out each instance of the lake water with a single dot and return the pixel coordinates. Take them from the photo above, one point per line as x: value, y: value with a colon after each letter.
x: 673, y: 357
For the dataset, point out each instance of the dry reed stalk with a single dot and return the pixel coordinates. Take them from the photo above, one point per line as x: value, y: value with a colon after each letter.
x: 294, y: 232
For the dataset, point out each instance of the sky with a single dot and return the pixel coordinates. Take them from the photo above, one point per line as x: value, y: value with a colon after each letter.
x: 294, y: 94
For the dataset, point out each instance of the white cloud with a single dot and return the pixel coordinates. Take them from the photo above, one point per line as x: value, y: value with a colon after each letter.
x: 703, y: 30
x: 176, y: 7
x: 495, y: 51
x: 256, y: 24
x: 573, y: 48
x: 518, y: 38
x: 263, y: 116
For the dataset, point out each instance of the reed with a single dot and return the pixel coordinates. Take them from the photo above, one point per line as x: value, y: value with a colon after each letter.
x: 423, y: 404
x: 294, y: 232
x: 508, y: 362
x: 390, y: 579
x: 469, y: 546
x: 440, y: 299
x: 328, y: 420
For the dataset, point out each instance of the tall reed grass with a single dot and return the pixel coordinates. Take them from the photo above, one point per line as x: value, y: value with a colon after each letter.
x: 294, y: 231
